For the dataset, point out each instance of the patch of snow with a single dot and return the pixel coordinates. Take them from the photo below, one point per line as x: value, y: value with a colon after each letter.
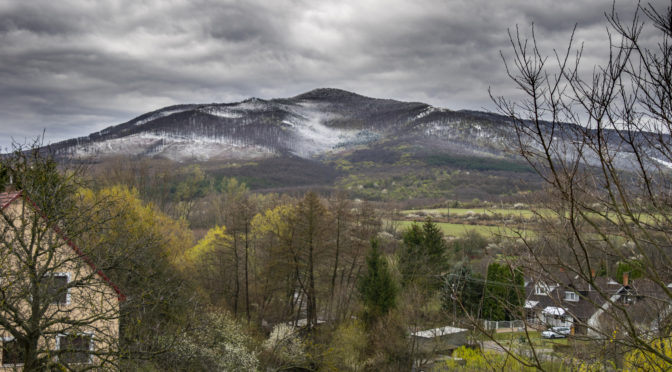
x: 221, y: 112
x: 663, y: 162
x: 160, y: 114
x: 175, y: 147
x: 236, y: 111
x: 252, y: 104
x: 425, y: 112
x: 429, y: 110
x: 316, y: 137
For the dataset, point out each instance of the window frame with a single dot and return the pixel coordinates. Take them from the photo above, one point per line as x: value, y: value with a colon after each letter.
x: 541, y: 289
x: 67, y: 289
x: 3, y: 364
x: 573, y: 298
x: 90, y: 335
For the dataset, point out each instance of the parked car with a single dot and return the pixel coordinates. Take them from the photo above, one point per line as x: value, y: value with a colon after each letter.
x: 556, y: 332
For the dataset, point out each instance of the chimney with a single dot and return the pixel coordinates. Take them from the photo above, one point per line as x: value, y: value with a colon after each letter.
x: 592, y: 273
x: 9, y: 186
x: 625, y: 278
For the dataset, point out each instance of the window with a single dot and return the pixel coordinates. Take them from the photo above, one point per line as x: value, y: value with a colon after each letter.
x: 12, y: 354
x: 57, y: 289
x: 75, y: 349
x: 571, y: 296
x: 541, y: 289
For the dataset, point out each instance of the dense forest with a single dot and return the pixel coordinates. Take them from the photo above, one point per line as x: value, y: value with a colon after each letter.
x: 221, y: 278
x: 309, y: 281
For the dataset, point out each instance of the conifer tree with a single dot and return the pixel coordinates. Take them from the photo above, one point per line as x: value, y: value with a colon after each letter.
x: 377, y: 288
x: 423, y: 259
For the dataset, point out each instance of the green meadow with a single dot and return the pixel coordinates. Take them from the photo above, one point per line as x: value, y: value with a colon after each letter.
x: 454, y: 229
x: 504, y: 212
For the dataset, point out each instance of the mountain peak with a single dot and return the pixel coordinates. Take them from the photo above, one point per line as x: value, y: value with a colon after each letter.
x: 253, y: 100
x: 328, y: 93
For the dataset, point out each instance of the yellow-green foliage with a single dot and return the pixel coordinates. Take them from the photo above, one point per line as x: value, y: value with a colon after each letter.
x: 596, y: 367
x: 343, y: 164
x: 215, y: 238
x: 347, y: 347
x: 272, y: 229
x: 659, y: 358
x: 468, y: 359
x: 137, y: 223
x: 274, y: 221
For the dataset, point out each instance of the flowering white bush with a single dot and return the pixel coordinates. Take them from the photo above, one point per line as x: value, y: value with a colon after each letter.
x: 285, y: 344
x: 216, y: 343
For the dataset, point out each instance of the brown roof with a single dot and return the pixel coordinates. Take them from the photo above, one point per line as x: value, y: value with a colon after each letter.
x: 6, y: 198
x: 590, y: 299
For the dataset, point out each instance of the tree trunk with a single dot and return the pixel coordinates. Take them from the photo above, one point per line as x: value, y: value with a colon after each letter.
x: 312, y: 306
x: 336, y: 254
x: 247, y: 282
x: 236, y: 292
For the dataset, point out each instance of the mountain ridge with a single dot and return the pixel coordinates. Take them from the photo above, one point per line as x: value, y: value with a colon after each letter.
x: 376, y: 149
x: 323, y: 139
x: 310, y: 124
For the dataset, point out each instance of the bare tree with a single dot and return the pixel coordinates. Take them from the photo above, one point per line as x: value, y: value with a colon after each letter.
x: 57, y: 308
x: 311, y: 229
x: 602, y: 145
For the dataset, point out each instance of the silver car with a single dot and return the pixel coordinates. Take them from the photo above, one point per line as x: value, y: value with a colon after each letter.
x: 556, y: 332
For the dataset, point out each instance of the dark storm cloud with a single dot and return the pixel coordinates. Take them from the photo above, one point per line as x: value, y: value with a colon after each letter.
x: 74, y: 67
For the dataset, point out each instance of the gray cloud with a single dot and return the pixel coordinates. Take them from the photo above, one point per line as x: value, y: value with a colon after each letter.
x: 75, y: 67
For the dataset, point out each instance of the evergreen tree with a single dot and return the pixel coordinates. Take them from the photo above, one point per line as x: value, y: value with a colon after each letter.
x: 377, y: 288
x: 503, y: 292
x: 423, y: 259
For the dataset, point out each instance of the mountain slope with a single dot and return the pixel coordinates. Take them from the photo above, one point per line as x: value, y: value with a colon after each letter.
x: 376, y: 149
x: 325, y: 139
x: 316, y: 123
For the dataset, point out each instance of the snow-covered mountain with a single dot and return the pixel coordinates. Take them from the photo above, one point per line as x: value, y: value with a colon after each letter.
x: 313, y: 124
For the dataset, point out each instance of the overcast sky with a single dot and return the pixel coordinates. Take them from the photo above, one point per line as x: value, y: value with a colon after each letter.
x: 74, y: 67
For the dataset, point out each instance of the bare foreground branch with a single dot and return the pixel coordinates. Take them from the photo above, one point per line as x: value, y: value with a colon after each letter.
x: 57, y: 308
x: 602, y: 144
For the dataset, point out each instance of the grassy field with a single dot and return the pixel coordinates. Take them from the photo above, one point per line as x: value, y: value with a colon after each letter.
x: 507, y: 338
x: 525, y: 213
x: 540, y: 342
x: 453, y: 229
